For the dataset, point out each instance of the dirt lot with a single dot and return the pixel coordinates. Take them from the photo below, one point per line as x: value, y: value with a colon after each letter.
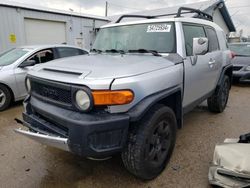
x: 24, y: 163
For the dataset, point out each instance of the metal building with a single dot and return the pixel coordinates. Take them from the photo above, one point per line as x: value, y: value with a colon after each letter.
x: 28, y: 25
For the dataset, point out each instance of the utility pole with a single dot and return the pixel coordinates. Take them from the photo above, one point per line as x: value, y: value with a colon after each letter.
x: 106, y: 9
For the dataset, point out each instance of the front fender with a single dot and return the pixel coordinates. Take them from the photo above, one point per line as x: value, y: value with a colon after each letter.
x: 171, y: 97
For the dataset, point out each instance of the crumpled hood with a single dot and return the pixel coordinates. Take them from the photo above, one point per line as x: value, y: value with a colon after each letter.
x: 98, y: 66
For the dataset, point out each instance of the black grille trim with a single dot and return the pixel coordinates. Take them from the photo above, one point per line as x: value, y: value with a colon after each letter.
x: 57, y: 93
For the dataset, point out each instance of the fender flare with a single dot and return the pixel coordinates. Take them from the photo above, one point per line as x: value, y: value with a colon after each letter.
x: 223, y: 73
x: 139, y: 110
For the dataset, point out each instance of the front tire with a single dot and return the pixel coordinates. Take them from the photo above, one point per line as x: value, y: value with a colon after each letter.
x: 151, y: 143
x: 5, y: 98
x: 218, y: 101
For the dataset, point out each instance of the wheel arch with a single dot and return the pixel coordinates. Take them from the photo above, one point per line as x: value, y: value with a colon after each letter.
x: 171, y: 98
x: 10, y: 90
x: 174, y: 101
x: 228, y: 71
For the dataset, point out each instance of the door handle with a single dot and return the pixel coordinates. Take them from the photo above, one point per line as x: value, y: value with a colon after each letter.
x: 211, y: 63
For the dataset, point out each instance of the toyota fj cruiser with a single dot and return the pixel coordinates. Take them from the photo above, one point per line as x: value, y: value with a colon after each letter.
x: 130, y: 94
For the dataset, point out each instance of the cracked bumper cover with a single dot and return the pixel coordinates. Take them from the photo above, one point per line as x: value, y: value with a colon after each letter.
x: 94, y: 135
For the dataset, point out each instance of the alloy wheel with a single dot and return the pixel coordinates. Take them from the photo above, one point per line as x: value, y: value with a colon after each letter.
x: 2, y: 98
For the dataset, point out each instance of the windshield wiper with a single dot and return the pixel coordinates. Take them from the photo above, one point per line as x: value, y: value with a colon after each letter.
x: 154, y: 52
x: 96, y: 50
x: 115, y: 51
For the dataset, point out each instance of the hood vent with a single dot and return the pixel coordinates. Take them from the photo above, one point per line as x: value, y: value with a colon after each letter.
x: 63, y: 71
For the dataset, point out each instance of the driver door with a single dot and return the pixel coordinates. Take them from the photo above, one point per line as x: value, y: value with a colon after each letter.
x: 199, y: 74
x: 21, y: 73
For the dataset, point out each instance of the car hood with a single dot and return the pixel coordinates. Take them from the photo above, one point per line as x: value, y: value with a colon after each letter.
x: 103, y: 66
x: 1, y: 68
x: 241, y: 60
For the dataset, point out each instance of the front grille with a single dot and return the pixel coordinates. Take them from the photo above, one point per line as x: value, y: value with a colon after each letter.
x: 52, y: 91
x: 237, y: 68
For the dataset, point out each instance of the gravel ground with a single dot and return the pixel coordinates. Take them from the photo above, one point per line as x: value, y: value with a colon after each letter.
x: 24, y: 163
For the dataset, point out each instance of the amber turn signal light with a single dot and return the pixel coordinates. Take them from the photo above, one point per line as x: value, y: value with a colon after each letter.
x: 102, y: 98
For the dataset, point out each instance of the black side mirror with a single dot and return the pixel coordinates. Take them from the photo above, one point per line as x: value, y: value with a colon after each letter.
x: 27, y: 63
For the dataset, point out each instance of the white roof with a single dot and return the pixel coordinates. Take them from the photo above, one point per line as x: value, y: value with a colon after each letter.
x: 45, y: 9
x: 160, y: 20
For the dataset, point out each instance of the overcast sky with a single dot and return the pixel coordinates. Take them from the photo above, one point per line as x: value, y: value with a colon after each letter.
x: 238, y: 8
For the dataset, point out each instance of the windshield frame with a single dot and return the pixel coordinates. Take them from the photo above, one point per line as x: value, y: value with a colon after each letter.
x: 173, y: 24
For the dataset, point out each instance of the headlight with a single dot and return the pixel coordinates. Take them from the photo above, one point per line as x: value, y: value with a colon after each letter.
x: 28, y: 85
x: 248, y: 68
x: 83, y: 100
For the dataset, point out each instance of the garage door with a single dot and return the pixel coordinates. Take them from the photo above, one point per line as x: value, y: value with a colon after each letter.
x: 44, y: 32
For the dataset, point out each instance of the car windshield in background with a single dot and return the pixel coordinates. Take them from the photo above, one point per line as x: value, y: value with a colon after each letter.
x: 240, y: 49
x: 158, y: 37
x: 11, y: 56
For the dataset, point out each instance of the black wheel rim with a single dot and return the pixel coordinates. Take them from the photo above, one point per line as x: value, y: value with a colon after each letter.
x: 158, y: 144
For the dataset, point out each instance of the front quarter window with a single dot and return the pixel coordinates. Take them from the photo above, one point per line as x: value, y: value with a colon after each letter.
x: 11, y: 56
x: 158, y: 37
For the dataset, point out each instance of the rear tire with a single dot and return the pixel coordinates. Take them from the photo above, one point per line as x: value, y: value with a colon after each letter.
x: 151, y: 143
x: 218, y: 101
x: 5, y: 98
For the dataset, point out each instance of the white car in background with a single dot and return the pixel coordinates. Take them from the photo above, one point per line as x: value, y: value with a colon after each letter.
x: 15, y: 63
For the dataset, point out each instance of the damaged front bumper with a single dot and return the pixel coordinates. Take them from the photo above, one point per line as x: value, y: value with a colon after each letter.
x: 93, y: 135
x: 61, y: 143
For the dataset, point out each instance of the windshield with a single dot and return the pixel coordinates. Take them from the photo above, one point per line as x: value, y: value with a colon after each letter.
x: 11, y: 56
x: 159, y: 37
x: 240, y: 49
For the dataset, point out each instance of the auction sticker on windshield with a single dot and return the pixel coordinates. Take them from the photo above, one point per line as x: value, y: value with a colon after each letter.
x: 159, y: 28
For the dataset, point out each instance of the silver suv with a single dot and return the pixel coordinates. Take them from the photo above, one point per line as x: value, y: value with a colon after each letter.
x: 129, y: 95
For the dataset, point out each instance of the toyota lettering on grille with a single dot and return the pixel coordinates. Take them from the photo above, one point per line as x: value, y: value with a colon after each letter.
x: 50, y: 93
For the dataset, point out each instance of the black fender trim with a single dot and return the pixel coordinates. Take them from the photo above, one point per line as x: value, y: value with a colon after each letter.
x: 223, y: 74
x: 137, y: 112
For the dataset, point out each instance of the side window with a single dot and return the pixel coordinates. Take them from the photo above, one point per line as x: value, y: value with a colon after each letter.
x: 190, y: 32
x: 43, y: 56
x: 67, y: 52
x: 213, y: 40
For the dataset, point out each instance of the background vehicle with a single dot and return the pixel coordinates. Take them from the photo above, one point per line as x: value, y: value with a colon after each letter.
x: 15, y: 63
x: 241, y: 61
x: 130, y: 94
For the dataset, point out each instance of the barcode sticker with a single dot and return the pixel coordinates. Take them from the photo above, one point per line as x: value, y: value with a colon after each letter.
x: 159, y: 28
